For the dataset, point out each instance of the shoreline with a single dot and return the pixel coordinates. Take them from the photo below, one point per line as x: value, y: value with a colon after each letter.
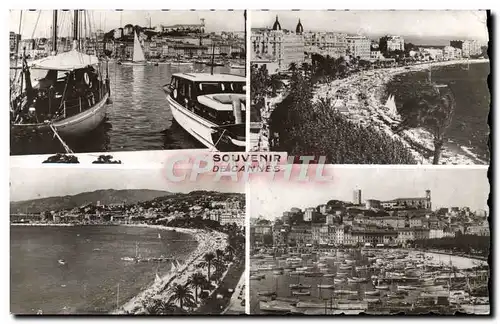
x: 373, y: 84
x: 207, y: 241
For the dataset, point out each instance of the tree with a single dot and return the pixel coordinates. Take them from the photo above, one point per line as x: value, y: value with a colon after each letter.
x: 432, y: 108
x: 156, y: 306
x: 292, y: 67
x: 219, y: 253
x: 197, y: 280
x: 183, y: 295
x: 209, y: 258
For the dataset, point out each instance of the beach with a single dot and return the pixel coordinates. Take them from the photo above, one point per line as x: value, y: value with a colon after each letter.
x: 371, y: 111
x: 207, y: 242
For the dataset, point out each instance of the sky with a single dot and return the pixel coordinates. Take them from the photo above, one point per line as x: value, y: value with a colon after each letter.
x: 215, y: 21
x: 449, y: 187
x: 415, y: 24
x: 34, y: 183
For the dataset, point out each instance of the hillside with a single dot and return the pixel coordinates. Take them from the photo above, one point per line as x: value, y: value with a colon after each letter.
x: 105, y: 197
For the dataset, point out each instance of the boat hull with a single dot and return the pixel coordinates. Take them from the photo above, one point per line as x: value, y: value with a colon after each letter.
x: 73, y: 126
x: 200, y: 128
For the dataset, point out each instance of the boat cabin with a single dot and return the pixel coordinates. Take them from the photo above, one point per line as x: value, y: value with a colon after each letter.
x: 209, y: 96
x: 57, y: 87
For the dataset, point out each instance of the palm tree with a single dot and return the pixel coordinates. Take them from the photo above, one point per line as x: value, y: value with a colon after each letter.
x: 219, y: 253
x: 208, y: 258
x: 156, y: 306
x: 432, y: 109
x: 292, y: 67
x: 229, y: 250
x: 197, y: 280
x: 183, y: 295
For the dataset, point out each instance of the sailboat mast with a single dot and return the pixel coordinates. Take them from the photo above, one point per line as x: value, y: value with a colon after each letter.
x: 54, y: 33
x: 75, y: 30
x: 213, y: 56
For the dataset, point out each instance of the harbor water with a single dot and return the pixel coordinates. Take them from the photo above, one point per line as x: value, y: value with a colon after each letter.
x: 79, y: 269
x: 327, y: 288
x: 138, y: 119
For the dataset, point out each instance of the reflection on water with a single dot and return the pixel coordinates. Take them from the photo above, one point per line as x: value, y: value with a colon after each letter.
x: 138, y: 119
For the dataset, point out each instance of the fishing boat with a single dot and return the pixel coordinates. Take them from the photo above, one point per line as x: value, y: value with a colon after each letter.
x: 339, y: 280
x: 326, y: 286
x: 257, y: 277
x: 372, y: 300
x: 361, y: 268
x: 372, y: 293
x: 210, y: 107
x: 138, y: 58
x: 237, y: 66
x: 68, y: 99
x: 301, y: 293
x: 346, y: 292
x: 329, y: 275
x: 266, y: 293
x: 356, y: 280
x: 382, y: 287
x: 406, y: 287
x: 299, y: 286
x: 345, y: 267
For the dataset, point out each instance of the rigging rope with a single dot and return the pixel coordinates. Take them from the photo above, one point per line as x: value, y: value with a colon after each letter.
x: 66, y: 147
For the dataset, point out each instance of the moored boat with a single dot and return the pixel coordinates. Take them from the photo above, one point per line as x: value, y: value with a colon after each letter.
x: 301, y: 293
x: 210, y: 107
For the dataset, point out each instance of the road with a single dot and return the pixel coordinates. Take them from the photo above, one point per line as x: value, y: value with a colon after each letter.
x: 235, y: 306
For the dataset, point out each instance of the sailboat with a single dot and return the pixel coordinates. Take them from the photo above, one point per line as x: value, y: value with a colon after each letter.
x: 390, y: 104
x: 69, y: 100
x: 159, y: 236
x: 138, y: 56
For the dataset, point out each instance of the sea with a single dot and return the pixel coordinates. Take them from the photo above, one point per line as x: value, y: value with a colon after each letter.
x: 138, y: 119
x: 91, y: 277
x: 469, y: 129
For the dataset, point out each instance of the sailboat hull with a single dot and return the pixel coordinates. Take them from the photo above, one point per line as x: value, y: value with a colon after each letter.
x: 73, y: 126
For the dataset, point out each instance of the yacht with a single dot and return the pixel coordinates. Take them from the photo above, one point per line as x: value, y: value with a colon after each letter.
x: 210, y: 107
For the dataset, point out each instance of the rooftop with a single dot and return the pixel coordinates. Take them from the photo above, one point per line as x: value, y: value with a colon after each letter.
x: 207, y: 77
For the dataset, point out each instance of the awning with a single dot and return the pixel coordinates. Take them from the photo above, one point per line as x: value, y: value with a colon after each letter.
x: 66, y: 61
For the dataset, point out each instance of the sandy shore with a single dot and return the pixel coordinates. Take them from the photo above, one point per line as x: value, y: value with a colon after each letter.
x: 207, y: 242
x: 371, y: 111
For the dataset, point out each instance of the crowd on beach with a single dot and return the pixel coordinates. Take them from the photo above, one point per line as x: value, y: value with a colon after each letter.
x: 161, y: 289
x: 370, y: 85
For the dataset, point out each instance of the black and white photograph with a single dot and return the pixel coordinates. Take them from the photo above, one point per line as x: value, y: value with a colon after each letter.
x: 124, y: 242
x: 121, y: 80
x: 371, y: 87
x: 379, y: 241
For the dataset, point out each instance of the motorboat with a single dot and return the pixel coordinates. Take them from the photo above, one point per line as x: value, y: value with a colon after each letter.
x: 210, y: 107
x: 299, y: 286
x: 301, y: 293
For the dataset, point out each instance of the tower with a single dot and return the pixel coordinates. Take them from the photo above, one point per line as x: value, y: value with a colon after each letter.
x: 276, y: 25
x: 356, y: 197
x: 299, y: 29
x: 428, y: 197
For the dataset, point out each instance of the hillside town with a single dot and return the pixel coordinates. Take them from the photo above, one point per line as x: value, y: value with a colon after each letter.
x: 203, y: 206
x: 158, y: 42
x: 398, y: 222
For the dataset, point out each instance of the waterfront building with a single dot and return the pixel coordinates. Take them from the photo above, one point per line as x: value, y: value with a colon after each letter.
x: 356, y: 197
x: 482, y: 229
x: 436, y: 233
x: 405, y: 235
x: 451, y: 53
x: 260, y: 234
x: 300, y: 235
x: 183, y: 28
x: 282, y: 46
x: 468, y: 47
x: 280, y: 235
x: 391, y: 43
x: 326, y: 44
x: 359, y: 47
